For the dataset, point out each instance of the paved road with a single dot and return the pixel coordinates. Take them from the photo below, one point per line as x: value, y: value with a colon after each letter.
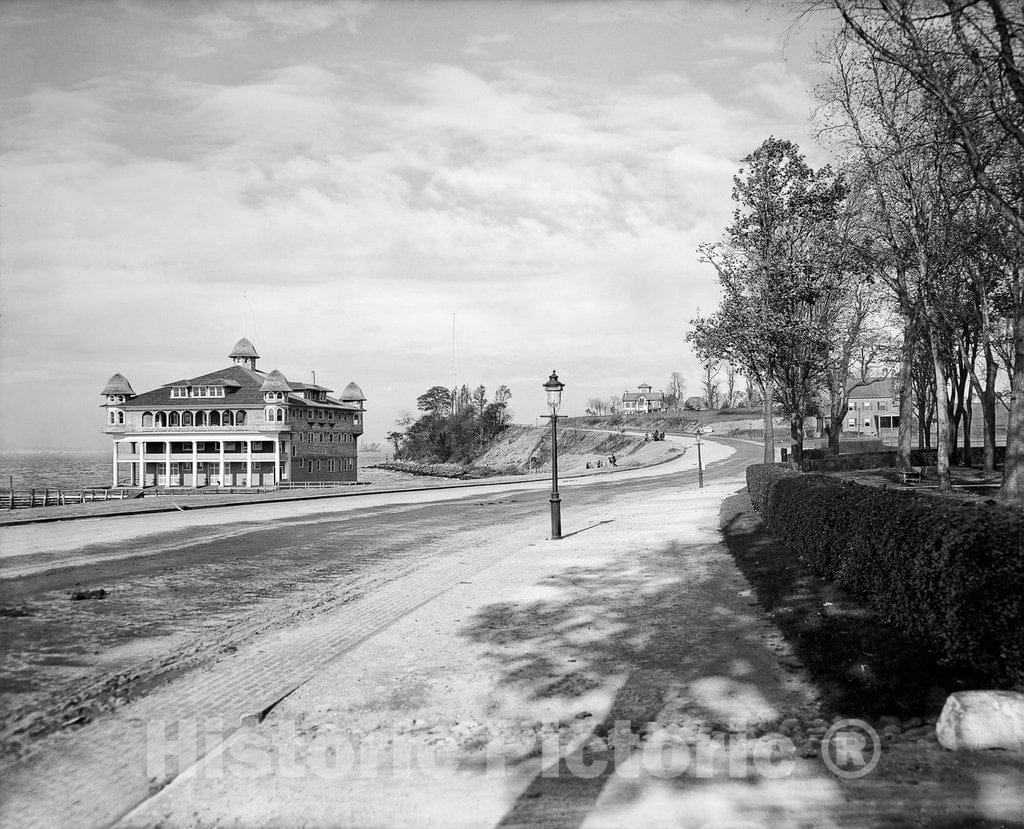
x: 195, y: 599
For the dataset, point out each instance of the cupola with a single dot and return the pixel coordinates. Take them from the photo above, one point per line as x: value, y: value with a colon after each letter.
x: 118, y: 389
x: 352, y: 394
x: 244, y: 353
x: 275, y: 387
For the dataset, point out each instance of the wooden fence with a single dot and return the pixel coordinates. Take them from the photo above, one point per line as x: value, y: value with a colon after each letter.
x: 25, y: 498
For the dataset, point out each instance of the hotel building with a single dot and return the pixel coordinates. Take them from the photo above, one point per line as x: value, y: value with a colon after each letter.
x: 234, y: 427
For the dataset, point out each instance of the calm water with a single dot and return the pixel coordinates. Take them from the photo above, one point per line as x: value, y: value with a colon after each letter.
x: 55, y: 470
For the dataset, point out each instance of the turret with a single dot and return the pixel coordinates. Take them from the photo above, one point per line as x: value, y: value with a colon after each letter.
x: 275, y: 387
x: 244, y: 353
x: 352, y: 394
x: 118, y: 389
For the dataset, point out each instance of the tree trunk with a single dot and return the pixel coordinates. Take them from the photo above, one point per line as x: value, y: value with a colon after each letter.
x: 1013, y: 468
x: 988, y: 411
x: 906, y: 392
x: 796, y: 437
x: 769, y: 426
x: 942, y: 417
x: 966, y: 458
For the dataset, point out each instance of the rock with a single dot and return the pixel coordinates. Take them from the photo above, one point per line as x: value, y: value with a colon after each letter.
x: 982, y: 719
x: 789, y: 724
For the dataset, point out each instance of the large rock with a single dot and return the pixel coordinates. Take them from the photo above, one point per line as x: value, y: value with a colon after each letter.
x: 982, y: 719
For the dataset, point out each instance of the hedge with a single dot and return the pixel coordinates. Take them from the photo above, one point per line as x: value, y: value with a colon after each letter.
x: 948, y: 572
x: 760, y: 477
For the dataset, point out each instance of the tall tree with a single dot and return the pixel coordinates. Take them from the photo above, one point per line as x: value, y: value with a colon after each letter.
x: 779, y: 281
x: 968, y: 58
x: 675, y: 393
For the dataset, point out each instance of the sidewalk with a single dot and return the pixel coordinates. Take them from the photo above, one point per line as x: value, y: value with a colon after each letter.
x: 443, y: 718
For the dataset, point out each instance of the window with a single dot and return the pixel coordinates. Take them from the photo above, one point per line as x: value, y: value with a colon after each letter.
x: 355, y: 419
x: 179, y: 391
x: 320, y: 415
x: 318, y: 466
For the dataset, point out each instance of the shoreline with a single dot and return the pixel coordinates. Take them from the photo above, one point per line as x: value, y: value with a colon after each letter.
x: 188, y: 503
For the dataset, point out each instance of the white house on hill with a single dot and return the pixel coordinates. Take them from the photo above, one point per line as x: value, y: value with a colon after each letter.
x: 643, y: 400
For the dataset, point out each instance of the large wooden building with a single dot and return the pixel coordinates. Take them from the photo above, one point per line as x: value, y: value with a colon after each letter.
x: 237, y: 426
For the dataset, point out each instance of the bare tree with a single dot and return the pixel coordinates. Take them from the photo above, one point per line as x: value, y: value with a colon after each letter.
x: 675, y: 392
x: 709, y: 383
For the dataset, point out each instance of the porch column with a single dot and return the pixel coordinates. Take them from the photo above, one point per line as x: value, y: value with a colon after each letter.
x: 277, y: 461
x: 221, y: 462
x: 167, y: 462
x: 113, y: 483
x: 142, y: 464
x: 248, y: 463
x: 195, y: 461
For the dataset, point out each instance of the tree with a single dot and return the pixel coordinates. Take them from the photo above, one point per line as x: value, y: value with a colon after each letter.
x: 614, y: 404
x: 596, y: 405
x: 395, y: 439
x: 730, y: 386
x: 480, y: 399
x: 675, y: 392
x: 780, y: 279
x: 966, y: 57
x: 437, y: 400
x: 709, y: 383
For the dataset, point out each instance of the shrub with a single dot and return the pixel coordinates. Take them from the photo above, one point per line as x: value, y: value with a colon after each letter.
x: 760, y: 478
x: 946, y: 572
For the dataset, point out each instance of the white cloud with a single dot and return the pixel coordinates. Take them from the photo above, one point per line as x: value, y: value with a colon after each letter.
x: 479, y: 45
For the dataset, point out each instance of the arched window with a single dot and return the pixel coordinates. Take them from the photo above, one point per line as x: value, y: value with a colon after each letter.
x: 215, y: 418
x: 174, y: 419
x: 147, y: 418
x: 161, y: 419
x: 227, y: 419
x: 120, y: 417
x: 239, y: 418
x: 186, y: 419
x: 200, y: 418
x: 110, y: 416
x: 270, y: 414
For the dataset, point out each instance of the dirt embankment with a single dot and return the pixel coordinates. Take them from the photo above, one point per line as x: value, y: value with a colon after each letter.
x: 528, y: 448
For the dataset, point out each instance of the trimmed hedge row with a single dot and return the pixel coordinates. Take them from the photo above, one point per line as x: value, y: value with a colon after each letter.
x: 948, y: 572
x: 760, y: 478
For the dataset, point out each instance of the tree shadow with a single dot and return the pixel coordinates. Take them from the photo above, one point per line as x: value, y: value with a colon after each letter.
x: 667, y: 633
x: 862, y: 666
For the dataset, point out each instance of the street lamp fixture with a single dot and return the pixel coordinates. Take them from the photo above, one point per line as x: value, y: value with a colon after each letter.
x: 700, y: 466
x: 553, y: 388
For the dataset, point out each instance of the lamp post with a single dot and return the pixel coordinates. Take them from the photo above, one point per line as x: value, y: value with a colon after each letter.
x: 553, y: 387
x: 700, y: 466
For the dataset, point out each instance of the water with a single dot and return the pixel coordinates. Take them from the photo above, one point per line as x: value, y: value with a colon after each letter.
x: 55, y: 469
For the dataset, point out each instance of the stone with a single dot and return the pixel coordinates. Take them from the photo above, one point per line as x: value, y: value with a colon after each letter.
x: 982, y: 719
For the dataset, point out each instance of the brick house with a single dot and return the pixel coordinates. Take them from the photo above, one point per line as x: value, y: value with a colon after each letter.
x: 643, y: 400
x: 236, y: 426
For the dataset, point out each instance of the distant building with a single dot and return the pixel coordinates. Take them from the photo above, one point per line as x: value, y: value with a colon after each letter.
x: 873, y: 409
x: 643, y: 400
x: 236, y: 426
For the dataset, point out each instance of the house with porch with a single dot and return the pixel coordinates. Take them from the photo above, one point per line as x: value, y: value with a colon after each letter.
x: 873, y: 410
x: 237, y: 426
x: 643, y: 400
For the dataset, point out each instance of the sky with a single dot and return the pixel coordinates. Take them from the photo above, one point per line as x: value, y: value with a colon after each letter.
x: 340, y: 181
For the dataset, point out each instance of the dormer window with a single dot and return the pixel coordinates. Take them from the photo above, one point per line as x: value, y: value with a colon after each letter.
x: 179, y: 391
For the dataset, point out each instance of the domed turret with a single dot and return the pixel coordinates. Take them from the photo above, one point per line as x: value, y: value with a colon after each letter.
x: 244, y: 353
x: 117, y: 389
x: 275, y: 382
x: 352, y: 394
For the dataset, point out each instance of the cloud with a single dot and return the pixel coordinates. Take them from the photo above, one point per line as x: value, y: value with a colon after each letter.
x: 732, y: 42
x: 478, y: 45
